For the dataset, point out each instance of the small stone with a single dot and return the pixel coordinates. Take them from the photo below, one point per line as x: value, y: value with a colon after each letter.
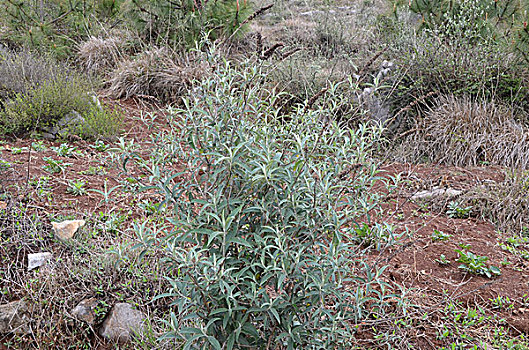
x: 37, y: 260
x: 67, y: 229
x: 84, y: 311
x: 13, y: 318
x: 121, y: 323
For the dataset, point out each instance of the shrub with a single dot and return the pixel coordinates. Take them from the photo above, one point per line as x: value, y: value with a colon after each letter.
x: 37, y: 92
x: 102, y: 122
x: 259, y: 253
x: 22, y: 70
x: 429, y: 64
x: 44, y: 104
x: 499, y: 21
x: 463, y: 132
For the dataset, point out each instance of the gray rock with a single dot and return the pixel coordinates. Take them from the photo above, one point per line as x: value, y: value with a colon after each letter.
x: 121, y: 323
x: 13, y: 317
x: 37, y: 260
x: 85, y: 311
x: 63, y: 127
x: 437, y: 192
x: 48, y: 136
x: 70, y: 119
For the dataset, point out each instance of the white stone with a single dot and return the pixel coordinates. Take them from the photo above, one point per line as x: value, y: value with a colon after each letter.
x: 38, y: 259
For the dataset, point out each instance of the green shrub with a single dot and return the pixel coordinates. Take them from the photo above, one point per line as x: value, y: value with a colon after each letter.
x: 43, y: 105
x: 429, y: 64
x: 259, y: 253
x: 100, y: 123
x: 37, y: 92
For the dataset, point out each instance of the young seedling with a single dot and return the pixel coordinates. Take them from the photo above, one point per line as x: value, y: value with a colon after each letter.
x: 76, y: 187
x: 64, y: 150
x: 440, y: 236
x: 501, y: 303
x: 458, y: 212
x: 39, y: 146
x: 16, y: 150
x: 54, y: 165
x: 476, y: 264
x: 99, y: 146
x: 443, y: 260
x: 106, y: 192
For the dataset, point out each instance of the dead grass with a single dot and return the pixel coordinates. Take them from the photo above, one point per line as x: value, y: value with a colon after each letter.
x: 157, y: 73
x: 462, y: 132
x: 100, y: 55
x: 506, y: 204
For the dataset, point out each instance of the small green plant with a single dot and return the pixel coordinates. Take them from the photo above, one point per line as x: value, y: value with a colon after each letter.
x: 458, y: 212
x: 92, y: 170
x: 4, y: 165
x: 106, y: 192
x: 110, y: 222
x: 149, y: 207
x: 64, y: 150
x: 476, y: 264
x: 18, y: 150
x: 100, y: 122
x: 440, y: 236
x: 375, y: 235
x: 501, y: 302
x: 517, y: 245
x: 39, y: 146
x: 443, y: 260
x: 464, y: 246
x: 42, y: 187
x: 99, y: 146
x: 55, y: 165
x: 76, y: 187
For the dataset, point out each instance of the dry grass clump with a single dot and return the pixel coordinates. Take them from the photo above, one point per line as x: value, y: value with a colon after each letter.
x: 100, y: 55
x: 462, y: 132
x: 506, y: 204
x: 158, y: 73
